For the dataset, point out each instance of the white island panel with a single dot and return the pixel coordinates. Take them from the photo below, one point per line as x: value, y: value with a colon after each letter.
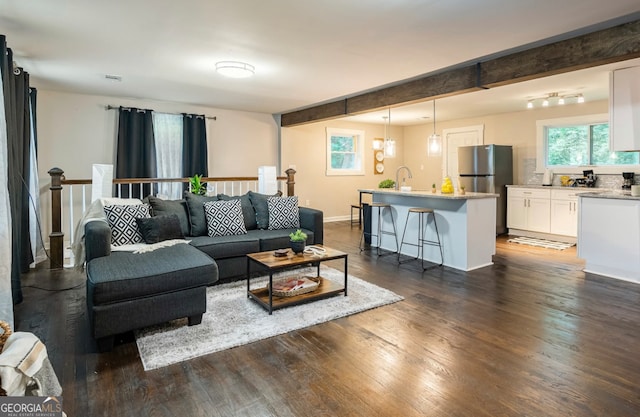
x: 609, y: 235
x: 466, y: 224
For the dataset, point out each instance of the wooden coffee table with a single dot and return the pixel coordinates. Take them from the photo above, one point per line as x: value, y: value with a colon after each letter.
x: 326, y: 288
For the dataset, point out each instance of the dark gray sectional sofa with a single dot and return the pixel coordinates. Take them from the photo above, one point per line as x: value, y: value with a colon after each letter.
x: 127, y: 291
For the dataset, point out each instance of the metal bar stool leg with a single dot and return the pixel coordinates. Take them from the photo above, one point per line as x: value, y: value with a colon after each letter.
x: 404, y: 232
x: 426, y: 241
x: 435, y: 225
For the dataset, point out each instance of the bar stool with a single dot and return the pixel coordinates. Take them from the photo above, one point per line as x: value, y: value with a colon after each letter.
x: 380, y: 207
x: 357, y: 207
x: 423, y: 219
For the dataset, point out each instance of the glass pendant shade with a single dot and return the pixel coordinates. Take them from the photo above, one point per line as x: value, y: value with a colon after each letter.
x: 434, y: 145
x: 389, y: 144
x: 434, y: 142
x: 390, y: 148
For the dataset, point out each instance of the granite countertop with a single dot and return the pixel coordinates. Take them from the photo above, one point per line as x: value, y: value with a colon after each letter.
x: 615, y: 194
x: 587, y: 191
x: 556, y: 187
x: 429, y: 194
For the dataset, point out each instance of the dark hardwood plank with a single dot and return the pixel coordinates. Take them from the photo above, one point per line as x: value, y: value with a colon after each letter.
x: 531, y: 335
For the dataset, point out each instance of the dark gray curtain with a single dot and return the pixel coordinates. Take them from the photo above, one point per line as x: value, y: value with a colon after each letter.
x: 194, y: 145
x: 16, y: 96
x: 136, y: 150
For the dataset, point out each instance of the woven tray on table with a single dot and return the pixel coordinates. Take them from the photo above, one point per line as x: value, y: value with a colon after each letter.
x: 287, y: 287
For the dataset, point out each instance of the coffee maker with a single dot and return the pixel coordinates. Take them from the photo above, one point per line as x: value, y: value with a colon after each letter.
x: 589, y: 178
x: 627, y: 180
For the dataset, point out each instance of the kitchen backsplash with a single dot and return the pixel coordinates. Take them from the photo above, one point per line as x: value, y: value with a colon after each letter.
x: 603, y: 181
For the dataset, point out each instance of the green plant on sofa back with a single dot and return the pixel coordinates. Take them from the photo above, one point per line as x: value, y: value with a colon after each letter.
x: 196, y: 185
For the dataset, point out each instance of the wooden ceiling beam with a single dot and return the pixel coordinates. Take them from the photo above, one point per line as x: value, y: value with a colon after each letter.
x: 619, y: 43
x: 438, y: 85
x: 316, y: 113
x: 615, y: 44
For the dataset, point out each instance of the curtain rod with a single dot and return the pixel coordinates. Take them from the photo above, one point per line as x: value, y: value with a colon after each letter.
x: 110, y: 107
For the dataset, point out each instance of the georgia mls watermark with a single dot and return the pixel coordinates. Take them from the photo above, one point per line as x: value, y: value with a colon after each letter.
x: 31, y: 407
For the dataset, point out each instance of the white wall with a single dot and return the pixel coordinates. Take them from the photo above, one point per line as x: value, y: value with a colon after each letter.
x: 76, y: 131
x: 305, y: 147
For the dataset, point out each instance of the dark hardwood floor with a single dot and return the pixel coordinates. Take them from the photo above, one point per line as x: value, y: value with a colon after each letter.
x: 531, y: 335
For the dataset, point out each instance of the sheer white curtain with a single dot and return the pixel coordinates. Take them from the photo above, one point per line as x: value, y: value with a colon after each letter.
x: 6, y: 299
x: 167, y: 130
x: 37, y: 246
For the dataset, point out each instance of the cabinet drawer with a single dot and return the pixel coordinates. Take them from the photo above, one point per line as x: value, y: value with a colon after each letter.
x: 528, y: 192
x: 566, y: 194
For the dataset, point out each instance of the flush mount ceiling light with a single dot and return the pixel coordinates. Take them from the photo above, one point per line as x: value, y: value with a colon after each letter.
x: 555, y: 99
x: 235, y: 69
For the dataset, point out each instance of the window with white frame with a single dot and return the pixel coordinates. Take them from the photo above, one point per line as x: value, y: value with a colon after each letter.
x: 345, y: 152
x: 568, y: 145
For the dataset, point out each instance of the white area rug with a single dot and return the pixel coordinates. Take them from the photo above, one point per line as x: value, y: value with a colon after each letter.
x: 233, y: 320
x: 549, y: 244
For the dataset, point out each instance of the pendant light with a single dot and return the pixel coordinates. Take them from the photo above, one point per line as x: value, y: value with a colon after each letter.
x: 434, y: 142
x: 389, y: 144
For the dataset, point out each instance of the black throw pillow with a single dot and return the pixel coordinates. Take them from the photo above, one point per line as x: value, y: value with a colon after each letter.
x: 159, y: 228
x: 160, y: 207
x: 195, y: 205
x: 259, y: 203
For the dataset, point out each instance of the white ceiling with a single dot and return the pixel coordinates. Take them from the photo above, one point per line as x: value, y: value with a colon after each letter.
x: 305, y: 52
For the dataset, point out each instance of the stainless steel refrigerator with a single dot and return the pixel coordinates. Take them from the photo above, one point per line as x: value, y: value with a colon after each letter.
x: 488, y: 169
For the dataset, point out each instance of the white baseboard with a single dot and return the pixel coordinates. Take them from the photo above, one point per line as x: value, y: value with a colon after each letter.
x: 336, y: 219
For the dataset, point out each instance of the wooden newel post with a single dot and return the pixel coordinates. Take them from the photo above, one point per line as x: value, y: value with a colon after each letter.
x: 56, y: 237
x: 290, y: 181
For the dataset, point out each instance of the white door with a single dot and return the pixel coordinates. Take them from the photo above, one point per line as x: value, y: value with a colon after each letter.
x: 451, y: 139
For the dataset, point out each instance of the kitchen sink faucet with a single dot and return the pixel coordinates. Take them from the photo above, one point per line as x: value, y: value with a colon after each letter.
x: 398, y: 172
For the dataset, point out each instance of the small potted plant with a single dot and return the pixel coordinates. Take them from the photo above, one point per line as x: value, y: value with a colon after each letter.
x: 388, y: 183
x: 462, y: 192
x: 196, y: 186
x: 433, y: 188
x: 297, y: 241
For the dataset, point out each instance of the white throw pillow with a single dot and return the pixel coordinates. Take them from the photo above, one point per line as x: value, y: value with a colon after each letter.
x: 224, y: 218
x: 283, y: 213
x: 122, y: 220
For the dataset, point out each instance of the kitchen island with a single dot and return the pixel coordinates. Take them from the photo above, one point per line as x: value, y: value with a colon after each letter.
x: 609, y: 234
x: 467, y: 225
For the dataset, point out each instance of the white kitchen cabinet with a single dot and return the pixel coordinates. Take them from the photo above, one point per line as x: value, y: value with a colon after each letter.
x: 624, y: 109
x: 564, y: 212
x: 529, y: 209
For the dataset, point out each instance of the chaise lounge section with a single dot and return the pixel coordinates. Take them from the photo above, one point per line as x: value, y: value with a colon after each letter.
x: 128, y: 291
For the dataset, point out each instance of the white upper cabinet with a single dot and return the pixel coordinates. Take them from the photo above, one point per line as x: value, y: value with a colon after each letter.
x: 624, y: 109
